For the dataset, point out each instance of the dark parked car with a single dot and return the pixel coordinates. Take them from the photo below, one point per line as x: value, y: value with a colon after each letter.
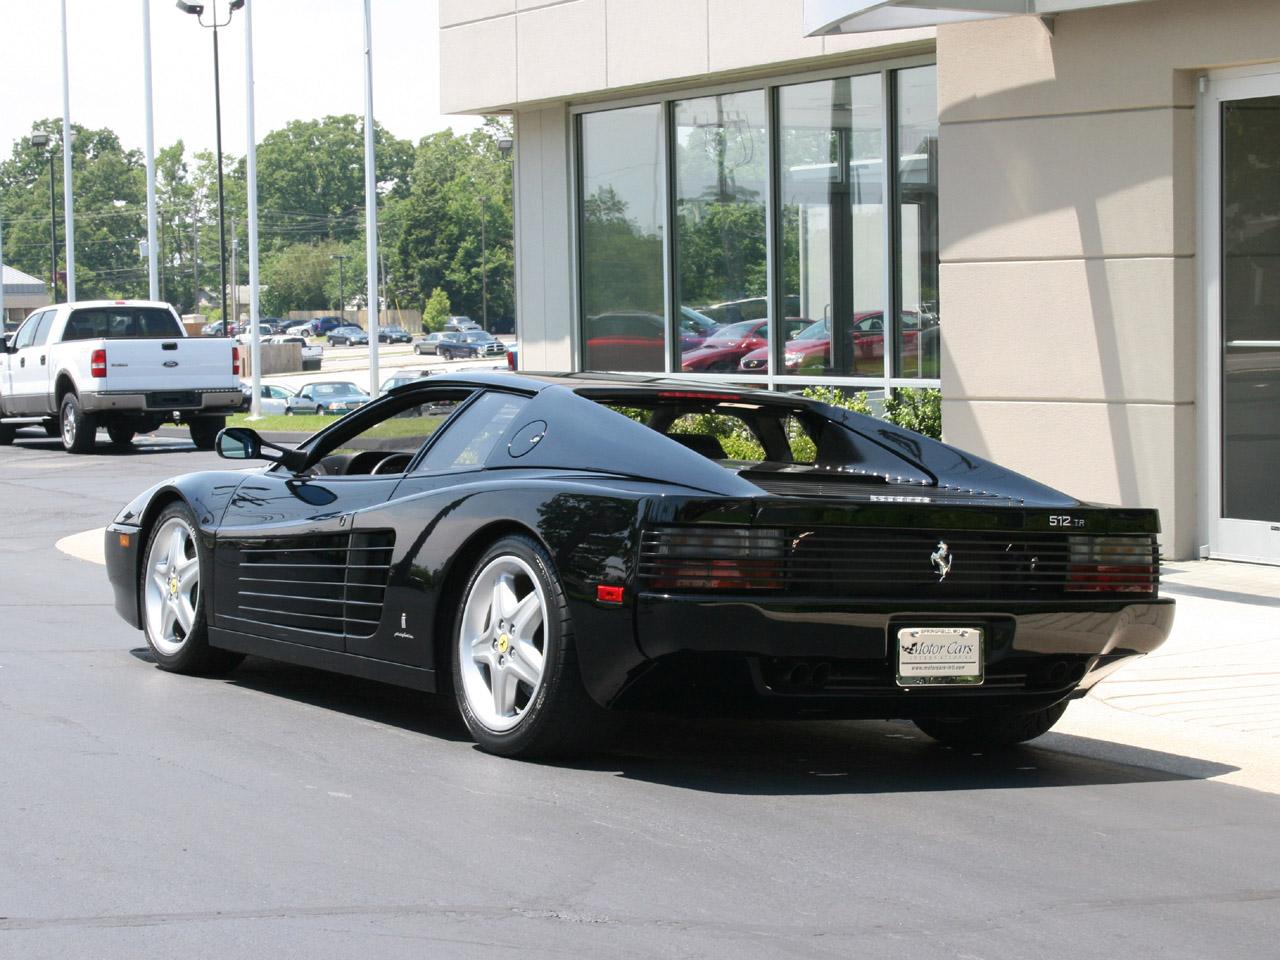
x: 333, y: 397
x: 475, y: 343
x: 558, y: 544
x: 347, y: 336
x: 460, y: 324
x: 394, y: 335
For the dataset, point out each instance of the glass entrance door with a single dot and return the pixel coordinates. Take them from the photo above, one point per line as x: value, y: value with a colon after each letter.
x: 1247, y: 521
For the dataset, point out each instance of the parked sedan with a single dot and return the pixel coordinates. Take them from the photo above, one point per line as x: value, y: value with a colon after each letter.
x: 431, y: 341
x: 400, y: 378
x: 477, y: 343
x: 460, y: 324
x: 272, y: 400
x: 348, y: 336
x: 332, y: 397
x: 394, y: 335
x: 562, y: 544
x: 721, y: 351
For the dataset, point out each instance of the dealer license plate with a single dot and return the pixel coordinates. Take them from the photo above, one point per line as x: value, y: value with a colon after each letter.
x: 938, y: 656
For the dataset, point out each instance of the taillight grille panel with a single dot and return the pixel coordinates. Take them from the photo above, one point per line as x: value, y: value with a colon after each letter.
x: 849, y: 562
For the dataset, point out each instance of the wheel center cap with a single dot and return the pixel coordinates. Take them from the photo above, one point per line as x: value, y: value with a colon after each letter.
x: 173, y: 585
x: 504, y: 643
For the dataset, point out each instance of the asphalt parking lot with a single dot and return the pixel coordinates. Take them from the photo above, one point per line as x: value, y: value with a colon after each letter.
x: 288, y: 813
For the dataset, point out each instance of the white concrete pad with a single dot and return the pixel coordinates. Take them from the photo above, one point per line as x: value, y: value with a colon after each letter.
x: 86, y: 545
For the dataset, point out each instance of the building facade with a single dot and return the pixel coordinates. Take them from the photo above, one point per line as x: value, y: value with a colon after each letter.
x: 20, y: 293
x: 1069, y: 224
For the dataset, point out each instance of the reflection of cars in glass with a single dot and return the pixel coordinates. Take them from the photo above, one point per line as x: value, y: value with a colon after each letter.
x: 400, y: 378
x: 721, y: 351
x: 394, y: 335
x: 494, y: 555
x: 695, y: 328
x: 748, y: 308
x: 811, y: 347
x: 347, y: 336
x: 335, y: 397
x: 625, y: 340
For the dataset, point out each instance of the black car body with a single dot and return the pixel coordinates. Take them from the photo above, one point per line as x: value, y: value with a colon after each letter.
x: 394, y: 335
x: 809, y: 578
x: 348, y: 336
x: 474, y: 343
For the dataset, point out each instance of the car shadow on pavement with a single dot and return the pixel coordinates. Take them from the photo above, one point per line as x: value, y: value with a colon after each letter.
x: 150, y: 447
x: 751, y: 757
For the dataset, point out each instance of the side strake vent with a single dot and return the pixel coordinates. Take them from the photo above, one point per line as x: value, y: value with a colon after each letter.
x: 851, y: 563
x: 332, y: 583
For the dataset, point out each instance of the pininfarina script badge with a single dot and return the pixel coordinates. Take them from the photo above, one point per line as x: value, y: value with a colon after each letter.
x: 941, y: 559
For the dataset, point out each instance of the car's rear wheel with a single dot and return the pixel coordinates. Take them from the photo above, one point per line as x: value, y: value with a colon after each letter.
x: 204, y: 431
x: 447, y: 354
x: 173, y: 618
x: 515, y: 666
x: 121, y: 434
x: 993, y: 732
x: 79, y: 429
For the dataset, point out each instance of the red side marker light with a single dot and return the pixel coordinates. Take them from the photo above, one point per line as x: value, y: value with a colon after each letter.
x: 608, y: 594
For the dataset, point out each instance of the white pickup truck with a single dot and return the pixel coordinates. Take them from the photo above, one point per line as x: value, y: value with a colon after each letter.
x: 126, y: 365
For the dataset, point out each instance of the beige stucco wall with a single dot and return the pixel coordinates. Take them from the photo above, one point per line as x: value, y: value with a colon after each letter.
x: 501, y: 54
x: 1068, y: 234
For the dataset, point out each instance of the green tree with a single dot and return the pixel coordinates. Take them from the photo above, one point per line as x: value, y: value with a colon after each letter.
x: 437, y: 311
x: 297, y: 278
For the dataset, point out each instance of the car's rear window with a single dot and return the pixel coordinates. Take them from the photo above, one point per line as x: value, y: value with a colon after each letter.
x: 121, y: 323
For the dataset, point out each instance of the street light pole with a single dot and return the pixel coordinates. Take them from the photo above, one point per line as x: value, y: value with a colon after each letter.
x: 197, y: 10
x: 342, y: 293
x: 42, y: 140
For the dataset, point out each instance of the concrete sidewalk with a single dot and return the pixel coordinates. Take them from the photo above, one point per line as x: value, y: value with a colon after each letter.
x: 1207, y: 703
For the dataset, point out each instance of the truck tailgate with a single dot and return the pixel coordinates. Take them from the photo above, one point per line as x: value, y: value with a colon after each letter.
x: 168, y: 365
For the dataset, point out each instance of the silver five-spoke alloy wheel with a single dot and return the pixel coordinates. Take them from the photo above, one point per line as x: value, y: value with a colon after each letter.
x: 172, y: 586
x: 502, y: 648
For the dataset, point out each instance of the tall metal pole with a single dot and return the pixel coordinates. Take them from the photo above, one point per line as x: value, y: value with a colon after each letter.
x: 153, y: 270
x: 251, y: 187
x: 3, y: 316
x: 484, y: 272
x: 67, y: 201
x: 370, y: 203
x: 53, y: 235
x: 222, y: 220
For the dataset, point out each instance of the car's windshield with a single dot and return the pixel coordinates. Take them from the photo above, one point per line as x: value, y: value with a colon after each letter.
x: 817, y: 331
x: 120, y: 323
x: 336, y: 390
x: 736, y: 331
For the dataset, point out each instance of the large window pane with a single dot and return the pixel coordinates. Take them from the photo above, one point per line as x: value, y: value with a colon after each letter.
x: 833, y: 227
x: 917, y: 124
x: 621, y: 234
x: 721, y: 188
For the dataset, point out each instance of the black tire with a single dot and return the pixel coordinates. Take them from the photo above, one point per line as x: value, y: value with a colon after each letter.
x: 558, y: 717
x: 204, y: 431
x: 51, y: 428
x: 194, y: 655
x: 7, y: 432
x: 121, y: 434
x: 447, y: 354
x: 992, y: 733
x: 78, y: 429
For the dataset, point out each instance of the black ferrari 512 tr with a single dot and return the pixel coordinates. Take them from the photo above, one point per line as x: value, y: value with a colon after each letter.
x: 544, y: 546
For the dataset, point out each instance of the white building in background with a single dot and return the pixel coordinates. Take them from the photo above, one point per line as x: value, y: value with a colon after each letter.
x: 22, y: 294
x: 1070, y: 224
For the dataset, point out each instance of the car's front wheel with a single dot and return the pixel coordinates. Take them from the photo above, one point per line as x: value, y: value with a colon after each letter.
x: 79, y: 429
x: 170, y: 588
x: 992, y: 732
x: 515, y: 665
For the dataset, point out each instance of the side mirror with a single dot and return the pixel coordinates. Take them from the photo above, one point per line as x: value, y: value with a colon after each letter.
x: 242, y: 443
x: 8, y: 342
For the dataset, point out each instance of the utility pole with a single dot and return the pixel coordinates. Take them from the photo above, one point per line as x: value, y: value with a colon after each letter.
x: 235, y: 273
x: 342, y: 279
x: 484, y: 271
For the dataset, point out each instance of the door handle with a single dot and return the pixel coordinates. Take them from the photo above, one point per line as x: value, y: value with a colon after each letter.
x: 22, y: 361
x: 42, y: 359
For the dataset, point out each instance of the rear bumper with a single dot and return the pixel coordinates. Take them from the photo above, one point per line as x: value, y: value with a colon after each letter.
x: 222, y: 400
x: 1035, y: 653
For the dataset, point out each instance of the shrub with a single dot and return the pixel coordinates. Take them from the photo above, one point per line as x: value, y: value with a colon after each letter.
x: 909, y: 408
x: 436, y: 312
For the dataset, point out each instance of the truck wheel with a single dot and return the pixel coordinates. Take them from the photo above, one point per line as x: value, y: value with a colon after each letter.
x: 204, y: 431
x: 121, y: 434
x: 7, y: 431
x: 79, y: 429
x: 51, y: 428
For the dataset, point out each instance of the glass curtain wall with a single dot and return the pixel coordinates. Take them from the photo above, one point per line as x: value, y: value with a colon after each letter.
x: 852, y: 203
x: 721, y: 188
x: 916, y: 102
x: 621, y: 221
